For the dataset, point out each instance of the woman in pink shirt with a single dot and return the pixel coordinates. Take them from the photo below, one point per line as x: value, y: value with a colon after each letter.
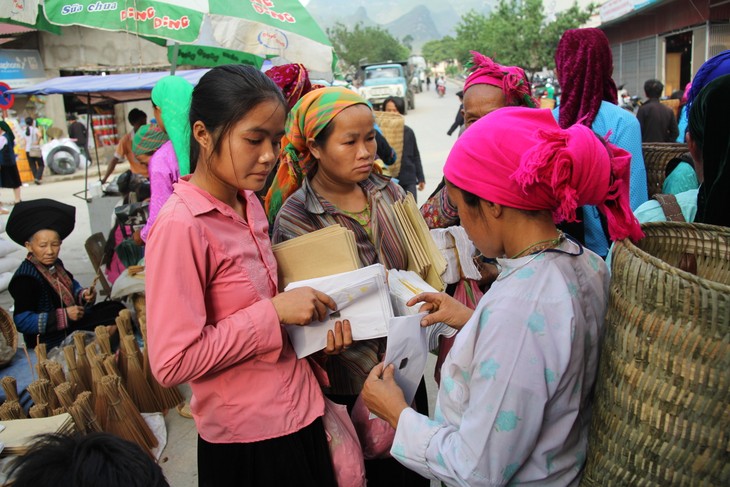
x: 214, y: 315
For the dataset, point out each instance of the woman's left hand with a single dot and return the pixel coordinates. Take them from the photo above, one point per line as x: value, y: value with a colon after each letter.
x: 339, y: 339
x: 382, y: 395
x: 421, y: 186
x: 89, y: 295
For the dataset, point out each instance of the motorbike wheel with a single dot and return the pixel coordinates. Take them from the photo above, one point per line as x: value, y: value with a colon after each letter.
x: 62, y: 160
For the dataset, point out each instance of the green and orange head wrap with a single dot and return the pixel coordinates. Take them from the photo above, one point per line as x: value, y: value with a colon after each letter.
x: 148, y: 139
x: 306, y: 120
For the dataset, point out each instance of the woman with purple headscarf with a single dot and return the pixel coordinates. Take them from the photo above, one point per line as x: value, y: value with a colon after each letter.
x: 584, y: 65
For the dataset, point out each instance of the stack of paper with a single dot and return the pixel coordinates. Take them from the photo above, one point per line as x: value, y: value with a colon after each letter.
x: 403, y: 286
x: 19, y: 434
x: 362, y: 298
x: 424, y: 258
x: 331, y: 250
x: 458, y: 251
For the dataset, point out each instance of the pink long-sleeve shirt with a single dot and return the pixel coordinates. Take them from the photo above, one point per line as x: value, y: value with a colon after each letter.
x: 164, y: 173
x: 210, y: 278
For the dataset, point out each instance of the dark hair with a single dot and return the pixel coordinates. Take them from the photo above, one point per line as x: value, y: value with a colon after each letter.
x: 28, y: 124
x: 398, y: 101
x: 143, y: 191
x: 223, y: 96
x: 136, y: 116
x: 653, y: 88
x: 460, y: 93
x: 86, y: 461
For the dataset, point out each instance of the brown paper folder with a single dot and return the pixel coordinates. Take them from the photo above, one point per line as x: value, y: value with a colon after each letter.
x: 328, y: 251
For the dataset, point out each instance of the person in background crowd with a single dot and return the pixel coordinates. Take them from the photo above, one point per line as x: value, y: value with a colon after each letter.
x: 459, y: 120
x: 326, y: 178
x: 410, y: 176
x: 49, y: 303
x: 517, y: 386
x: 136, y: 118
x: 214, y: 313
x: 428, y: 82
x: 77, y: 132
x: 584, y: 64
x: 57, y: 460
x: 708, y: 138
x: 658, y: 123
x: 682, y: 122
x: 171, y: 100
x: 33, y: 150
x: 9, y: 175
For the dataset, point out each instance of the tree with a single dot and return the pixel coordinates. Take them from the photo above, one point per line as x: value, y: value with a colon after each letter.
x: 444, y: 49
x: 517, y: 33
x: 408, y: 42
x: 365, y: 43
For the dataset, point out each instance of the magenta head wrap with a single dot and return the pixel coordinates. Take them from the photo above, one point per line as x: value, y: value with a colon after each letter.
x: 585, y: 64
x: 533, y: 164
x: 510, y: 79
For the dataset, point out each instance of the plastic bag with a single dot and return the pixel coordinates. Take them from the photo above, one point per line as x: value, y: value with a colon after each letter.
x: 376, y: 435
x: 347, y: 459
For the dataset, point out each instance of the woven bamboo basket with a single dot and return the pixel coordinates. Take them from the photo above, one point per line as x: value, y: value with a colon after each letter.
x: 661, y: 414
x: 391, y: 124
x: 656, y: 157
x: 7, y: 328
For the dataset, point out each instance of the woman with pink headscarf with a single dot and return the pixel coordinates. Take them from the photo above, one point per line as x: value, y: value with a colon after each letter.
x: 515, y: 397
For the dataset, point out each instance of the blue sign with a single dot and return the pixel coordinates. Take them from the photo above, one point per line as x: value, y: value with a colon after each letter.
x: 20, y: 68
x: 6, y: 99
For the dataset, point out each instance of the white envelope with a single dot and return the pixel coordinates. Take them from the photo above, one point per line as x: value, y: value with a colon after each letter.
x: 362, y: 298
x: 408, y: 351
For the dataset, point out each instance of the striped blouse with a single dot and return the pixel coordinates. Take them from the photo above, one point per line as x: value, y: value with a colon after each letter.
x: 304, y: 212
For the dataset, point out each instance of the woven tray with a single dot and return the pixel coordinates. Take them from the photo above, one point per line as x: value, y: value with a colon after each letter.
x: 7, y: 328
x: 656, y: 157
x: 661, y: 412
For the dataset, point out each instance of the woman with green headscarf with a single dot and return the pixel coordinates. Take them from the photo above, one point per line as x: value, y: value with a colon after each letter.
x: 171, y: 100
x: 325, y: 178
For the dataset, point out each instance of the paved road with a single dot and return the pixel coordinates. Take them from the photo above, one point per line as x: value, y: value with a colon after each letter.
x: 430, y: 120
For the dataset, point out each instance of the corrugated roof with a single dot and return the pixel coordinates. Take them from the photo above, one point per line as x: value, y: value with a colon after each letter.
x: 12, y: 29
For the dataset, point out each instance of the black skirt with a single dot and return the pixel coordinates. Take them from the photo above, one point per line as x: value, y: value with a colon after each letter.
x: 300, y: 459
x: 10, y: 177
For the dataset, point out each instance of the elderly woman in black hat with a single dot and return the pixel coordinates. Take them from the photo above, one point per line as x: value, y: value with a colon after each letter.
x: 49, y: 302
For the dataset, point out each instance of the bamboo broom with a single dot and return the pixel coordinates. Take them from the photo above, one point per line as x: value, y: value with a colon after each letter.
x: 41, y: 393
x: 55, y: 372
x: 11, y: 410
x: 168, y: 397
x: 83, y: 406
x: 10, y: 386
x: 101, y: 408
x: 64, y: 392
x: 124, y: 323
x: 137, y: 386
x: 58, y: 411
x: 74, y: 377
x: 102, y: 338
x: 120, y: 421
x: 39, y: 411
x: 82, y: 362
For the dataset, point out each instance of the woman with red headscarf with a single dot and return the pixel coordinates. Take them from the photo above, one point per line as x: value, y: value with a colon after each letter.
x: 584, y: 65
x: 515, y: 394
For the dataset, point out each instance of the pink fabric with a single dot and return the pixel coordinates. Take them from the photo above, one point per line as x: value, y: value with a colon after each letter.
x: 164, y: 172
x: 210, y: 277
x: 511, y: 79
x: 584, y: 63
x: 115, y: 267
x: 533, y: 164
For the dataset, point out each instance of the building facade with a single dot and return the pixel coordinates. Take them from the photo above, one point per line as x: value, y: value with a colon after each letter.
x: 663, y: 39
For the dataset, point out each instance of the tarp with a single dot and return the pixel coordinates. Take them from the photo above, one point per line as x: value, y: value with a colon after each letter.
x: 113, y: 87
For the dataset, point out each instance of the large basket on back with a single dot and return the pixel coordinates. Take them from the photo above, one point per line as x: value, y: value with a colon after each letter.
x: 661, y: 414
x: 656, y: 157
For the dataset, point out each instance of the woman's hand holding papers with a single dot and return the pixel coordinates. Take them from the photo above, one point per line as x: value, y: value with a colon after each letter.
x: 382, y: 395
x: 302, y: 305
x: 339, y: 339
x: 441, y: 308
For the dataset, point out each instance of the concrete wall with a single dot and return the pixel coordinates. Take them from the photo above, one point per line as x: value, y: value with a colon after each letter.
x: 81, y: 48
